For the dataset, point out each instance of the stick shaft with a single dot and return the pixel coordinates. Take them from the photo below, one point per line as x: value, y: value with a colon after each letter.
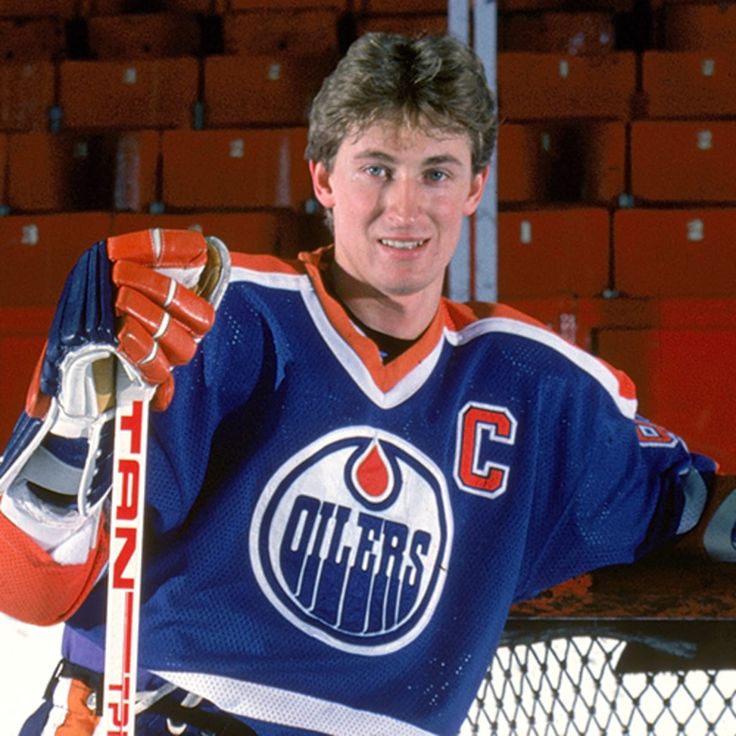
x: 124, y: 572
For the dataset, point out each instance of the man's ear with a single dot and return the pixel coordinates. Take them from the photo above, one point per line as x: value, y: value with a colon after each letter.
x: 475, y: 193
x: 322, y: 184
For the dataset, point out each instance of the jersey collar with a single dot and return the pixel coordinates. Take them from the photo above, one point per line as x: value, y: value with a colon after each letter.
x: 386, y: 377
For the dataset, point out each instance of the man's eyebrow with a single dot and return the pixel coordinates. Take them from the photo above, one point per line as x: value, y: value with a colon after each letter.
x: 442, y: 159
x: 439, y: 160
x: 375, y: 154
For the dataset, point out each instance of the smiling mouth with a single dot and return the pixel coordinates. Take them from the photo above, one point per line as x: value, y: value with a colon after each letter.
x: 402, y: 244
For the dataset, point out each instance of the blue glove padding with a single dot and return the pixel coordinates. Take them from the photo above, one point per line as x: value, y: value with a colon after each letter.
x: 84, y: 315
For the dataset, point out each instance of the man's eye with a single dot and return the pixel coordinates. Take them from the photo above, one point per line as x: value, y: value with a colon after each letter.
x: 436, y: 175
x: 376, y: 170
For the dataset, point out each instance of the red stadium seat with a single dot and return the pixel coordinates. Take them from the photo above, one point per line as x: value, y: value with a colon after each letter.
x: 3, y: 168
x: 561, y: 162
x: 522, y: 173
x: 273, y: 231
x: 39, y: 250
x: 145, y: 93
x: 562, y: 32
x: 22, y: 336
x: 26, y: 95
x: 90, y: 8
x: 556, y: 252
x: 676, y: 252
x: 236, y: 5
x: 537, y: 86
x: 261, y: 90
x: 509, y: 6
x: 75, y: 171
x: 689, y: 84
x: 684, y: 375
x: 191, y: 6
x: 27, y: 39
x: 679, y: 353
x: 407, y: 23
x: 400, y: 6
x: 235, y: 169
x: 698, y: 26
x: 301, y: 32
x: 35, y: 8
x: 683, y: 161
x: 142, y: 35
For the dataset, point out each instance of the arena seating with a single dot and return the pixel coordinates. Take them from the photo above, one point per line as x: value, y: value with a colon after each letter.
x: 549, y: 85
x: 689, y: 84
x: 144, y: 35
x: 683, y: 160
x: 235, y: 168
x: 310, y: 31
x: 616, y: 150
x: 27, y: 91
x: 682, y: 364
x: 39, y: 250
x: 675, y: 252
x: 261, y: 89
x: 561, y: 161
x: 552, y: 252
x: 254, y: 231
x: 115, y: 94
x: 68, y: 171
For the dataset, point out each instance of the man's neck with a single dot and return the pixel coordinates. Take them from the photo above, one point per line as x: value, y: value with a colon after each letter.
x: 404, y: 317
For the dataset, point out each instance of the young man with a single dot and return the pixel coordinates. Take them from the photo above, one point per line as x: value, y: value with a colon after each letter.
x: 353, y: 478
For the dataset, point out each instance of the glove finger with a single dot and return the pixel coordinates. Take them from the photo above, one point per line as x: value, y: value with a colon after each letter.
x: 191, y: 310
x: 174, y: 339
x: 164, y: 393
x: 154, y: 285
x: 143, y: 351
x: 159, y: 248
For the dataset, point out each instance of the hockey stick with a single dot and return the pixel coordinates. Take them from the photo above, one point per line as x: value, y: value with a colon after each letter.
x: 124, y: 588
x: 124, y: 571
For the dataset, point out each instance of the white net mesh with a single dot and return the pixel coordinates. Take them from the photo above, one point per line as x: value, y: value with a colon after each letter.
x: 571, y: 685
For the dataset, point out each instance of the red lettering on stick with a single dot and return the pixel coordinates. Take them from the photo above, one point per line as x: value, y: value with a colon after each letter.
x: 133, y: 423
x: 129, y: 536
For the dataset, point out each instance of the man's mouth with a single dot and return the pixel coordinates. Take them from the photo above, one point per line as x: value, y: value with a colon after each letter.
x: 402, y: 244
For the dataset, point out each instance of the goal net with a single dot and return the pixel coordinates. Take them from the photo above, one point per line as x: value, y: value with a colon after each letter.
x: 609, y: 678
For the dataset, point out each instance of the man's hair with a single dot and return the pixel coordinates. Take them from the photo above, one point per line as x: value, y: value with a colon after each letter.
x: 434, y: 83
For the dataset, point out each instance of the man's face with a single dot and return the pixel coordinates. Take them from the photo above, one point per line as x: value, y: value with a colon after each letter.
x: 398, y: 198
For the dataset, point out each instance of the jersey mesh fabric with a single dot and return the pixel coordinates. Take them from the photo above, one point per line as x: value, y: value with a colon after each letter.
x: 256, y: 440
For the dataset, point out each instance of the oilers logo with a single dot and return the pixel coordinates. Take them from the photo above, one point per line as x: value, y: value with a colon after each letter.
x: 351, y: 540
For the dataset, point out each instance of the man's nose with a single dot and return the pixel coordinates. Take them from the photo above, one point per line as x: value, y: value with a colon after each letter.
x: 403, y: 200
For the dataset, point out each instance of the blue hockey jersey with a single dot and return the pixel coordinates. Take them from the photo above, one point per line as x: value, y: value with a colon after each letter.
x: 333, y: 544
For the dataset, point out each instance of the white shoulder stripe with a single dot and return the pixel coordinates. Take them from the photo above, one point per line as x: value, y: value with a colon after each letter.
x: 583, y: 360
x: 416, y: 378
x: 273, y: 279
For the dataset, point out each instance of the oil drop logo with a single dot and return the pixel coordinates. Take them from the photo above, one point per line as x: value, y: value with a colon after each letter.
x: 350, y: 540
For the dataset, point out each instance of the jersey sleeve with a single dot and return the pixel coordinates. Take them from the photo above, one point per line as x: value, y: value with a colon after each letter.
x: 38, y: 589
x: 612, y: 485
x: 42, y: 583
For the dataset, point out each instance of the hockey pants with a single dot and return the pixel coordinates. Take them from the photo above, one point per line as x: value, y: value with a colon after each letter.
x: 73, y: 703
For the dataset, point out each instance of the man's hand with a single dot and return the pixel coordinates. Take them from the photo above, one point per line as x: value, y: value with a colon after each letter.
x: 163, y: 302
x: 142, y: 301
x: 146, y: 298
